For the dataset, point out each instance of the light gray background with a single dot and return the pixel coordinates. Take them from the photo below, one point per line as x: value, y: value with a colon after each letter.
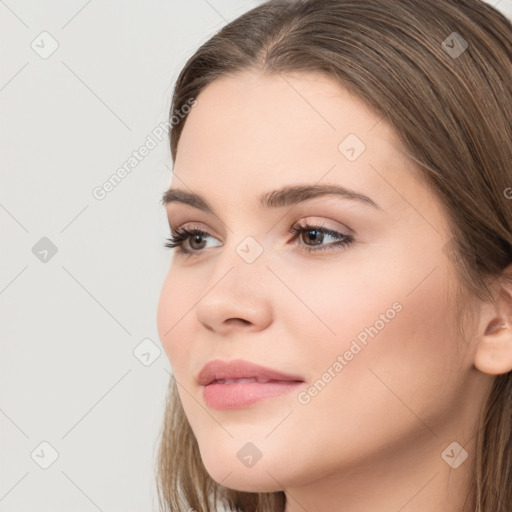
x: 70, y: 324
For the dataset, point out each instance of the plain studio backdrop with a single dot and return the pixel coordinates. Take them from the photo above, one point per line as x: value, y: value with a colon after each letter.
x: 84, y: 85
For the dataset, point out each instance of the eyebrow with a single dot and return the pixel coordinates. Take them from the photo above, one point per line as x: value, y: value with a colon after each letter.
x: 286, y: 196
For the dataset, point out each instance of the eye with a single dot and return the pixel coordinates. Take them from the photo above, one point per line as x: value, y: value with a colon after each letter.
x: 316, y: 234
x: 179, y: 236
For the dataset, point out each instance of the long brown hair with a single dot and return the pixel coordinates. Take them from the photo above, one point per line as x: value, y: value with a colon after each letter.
x: 451, y: 105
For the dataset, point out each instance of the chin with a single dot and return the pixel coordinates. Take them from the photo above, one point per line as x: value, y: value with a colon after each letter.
x: 233, y: 473
x: 247, y: 481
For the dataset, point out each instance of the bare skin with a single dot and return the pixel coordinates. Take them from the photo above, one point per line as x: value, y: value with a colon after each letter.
x: 377, y: 435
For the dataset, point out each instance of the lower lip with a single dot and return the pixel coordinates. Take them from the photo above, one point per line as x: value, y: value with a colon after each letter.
x: 243, y: 394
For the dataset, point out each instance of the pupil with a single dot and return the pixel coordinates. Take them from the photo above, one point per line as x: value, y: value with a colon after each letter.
x: 197, y: 238
x: 318, y: 238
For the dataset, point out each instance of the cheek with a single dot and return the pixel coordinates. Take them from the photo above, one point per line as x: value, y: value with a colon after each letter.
x: 392, y: 323
x: 395, y: 348
x: 173, y: 315
x: 399, y: 304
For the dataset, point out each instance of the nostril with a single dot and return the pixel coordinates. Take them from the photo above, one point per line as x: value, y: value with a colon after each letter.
x: 237, y: 320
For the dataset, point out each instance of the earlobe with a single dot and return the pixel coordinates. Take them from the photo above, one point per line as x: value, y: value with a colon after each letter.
x: 494, y: 352
x: 494, y: 348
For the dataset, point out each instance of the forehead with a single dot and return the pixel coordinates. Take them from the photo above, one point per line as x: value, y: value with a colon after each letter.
x: 300, y: 106
x: 252, y: 132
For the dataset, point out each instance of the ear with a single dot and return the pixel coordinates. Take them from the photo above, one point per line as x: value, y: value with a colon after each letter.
x: 494, y: 346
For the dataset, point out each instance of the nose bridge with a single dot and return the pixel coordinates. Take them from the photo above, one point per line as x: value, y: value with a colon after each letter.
x: 236, y: 287
x: 244, y: 260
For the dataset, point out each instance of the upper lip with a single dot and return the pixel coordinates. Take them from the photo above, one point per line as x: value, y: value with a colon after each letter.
x: 240, y: 369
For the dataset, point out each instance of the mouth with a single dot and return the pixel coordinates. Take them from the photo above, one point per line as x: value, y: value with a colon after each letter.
x: 237, y: 384
x: 261, y: 380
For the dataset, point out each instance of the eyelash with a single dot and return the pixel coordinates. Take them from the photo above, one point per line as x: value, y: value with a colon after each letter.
x: 179, y: 236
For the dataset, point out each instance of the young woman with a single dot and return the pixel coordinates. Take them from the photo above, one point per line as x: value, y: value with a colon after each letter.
x: 338, y: 311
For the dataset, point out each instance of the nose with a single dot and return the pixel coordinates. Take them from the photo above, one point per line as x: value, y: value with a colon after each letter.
x: 237, y: 297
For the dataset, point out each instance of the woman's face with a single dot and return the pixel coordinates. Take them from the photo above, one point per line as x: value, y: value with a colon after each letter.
x: 368, y: 327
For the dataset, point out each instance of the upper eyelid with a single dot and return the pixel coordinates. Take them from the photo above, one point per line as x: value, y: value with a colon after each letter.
x: 309, y: 220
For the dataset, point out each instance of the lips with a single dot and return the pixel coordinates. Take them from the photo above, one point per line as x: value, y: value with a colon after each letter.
x: 238, y: 370
x: 239, y: 384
